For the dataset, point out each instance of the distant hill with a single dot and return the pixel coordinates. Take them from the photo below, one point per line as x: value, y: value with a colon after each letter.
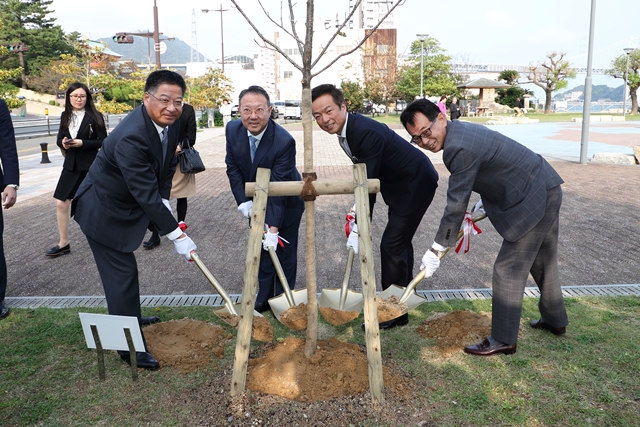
x: 178, y: 52
x: 604, y: 92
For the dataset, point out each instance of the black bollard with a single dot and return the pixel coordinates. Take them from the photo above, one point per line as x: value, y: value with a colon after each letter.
x: 45, y: 155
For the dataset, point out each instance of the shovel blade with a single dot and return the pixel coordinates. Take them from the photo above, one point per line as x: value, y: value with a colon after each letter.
x: 330, y: 298
x: 280, y: 304
x: 413, y: 301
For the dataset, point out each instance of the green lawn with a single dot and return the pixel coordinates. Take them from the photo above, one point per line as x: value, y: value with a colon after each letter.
x: 589, y: 377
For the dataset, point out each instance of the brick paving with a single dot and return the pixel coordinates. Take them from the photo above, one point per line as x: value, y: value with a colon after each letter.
x: 599, y: 231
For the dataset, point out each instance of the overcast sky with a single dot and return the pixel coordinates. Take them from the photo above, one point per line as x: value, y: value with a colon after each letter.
x: 496, y: 31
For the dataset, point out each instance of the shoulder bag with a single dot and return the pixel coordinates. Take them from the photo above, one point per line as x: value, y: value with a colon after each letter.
x: 189, y: 159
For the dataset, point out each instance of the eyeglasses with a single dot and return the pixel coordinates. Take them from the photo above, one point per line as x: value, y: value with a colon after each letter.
x: 258, y: 112
x: 165, y: 102
x: 424, y: 135
x: 78, y: 96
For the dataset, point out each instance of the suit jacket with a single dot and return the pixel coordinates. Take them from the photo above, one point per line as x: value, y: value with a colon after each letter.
x: 10, y: 171
x: 188, y: 127
x: 80, y: 159
x: 403, y: 170
x: 126, y: 183
x: 276, y: 151
x: 511, y: 179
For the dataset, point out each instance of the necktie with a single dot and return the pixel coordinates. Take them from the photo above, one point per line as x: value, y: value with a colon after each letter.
x: 164, y: 139
x: 252, y: 141
x: 345, y: 146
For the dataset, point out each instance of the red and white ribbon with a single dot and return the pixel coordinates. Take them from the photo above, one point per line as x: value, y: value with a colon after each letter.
x: 351, y: 220
x: 468, y: 227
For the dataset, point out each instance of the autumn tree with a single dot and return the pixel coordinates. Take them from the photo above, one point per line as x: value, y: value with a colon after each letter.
x: 209, y: 90
x: 353, y: 95
x: 438, y: 77
x: 508, y: 96
x: 7, y: 90
x: 28, y: 22
x: 551, y: 75
x: 619, y: 69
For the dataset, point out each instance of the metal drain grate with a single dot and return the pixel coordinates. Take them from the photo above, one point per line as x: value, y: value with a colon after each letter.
x: 216, y: 300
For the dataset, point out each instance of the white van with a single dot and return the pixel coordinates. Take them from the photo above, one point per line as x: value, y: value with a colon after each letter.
x: 292, y: 109
x: 279, y: 105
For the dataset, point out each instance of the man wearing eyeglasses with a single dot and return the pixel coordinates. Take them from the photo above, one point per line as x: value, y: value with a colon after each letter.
x: 126, y: 188
x: 408, y: 180
x: 521, y: 195
x: 256, y: 141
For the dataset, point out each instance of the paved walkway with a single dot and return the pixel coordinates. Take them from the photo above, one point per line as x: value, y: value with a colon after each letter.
x: 600, y: 221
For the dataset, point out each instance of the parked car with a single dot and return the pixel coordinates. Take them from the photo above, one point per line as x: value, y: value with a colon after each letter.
x: 400, y: 105
x: 280, y: 106
x: 380, y: 108
x: 292, y: 109
x: 235, y: 113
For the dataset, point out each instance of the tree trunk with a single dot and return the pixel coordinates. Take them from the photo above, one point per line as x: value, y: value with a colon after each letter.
x: 547, y: 101
x: 24, y: 73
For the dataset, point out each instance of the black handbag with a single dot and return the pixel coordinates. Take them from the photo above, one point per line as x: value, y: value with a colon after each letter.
x: 189, y: 158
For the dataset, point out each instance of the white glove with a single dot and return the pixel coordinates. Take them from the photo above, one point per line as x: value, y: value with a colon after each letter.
x: 270, y: 240
x: 352, y: 241
x: 479, y: 207
x: 168, y: 205
x: 184, y: 246
x: 245, y: 209
x: 430, y: 263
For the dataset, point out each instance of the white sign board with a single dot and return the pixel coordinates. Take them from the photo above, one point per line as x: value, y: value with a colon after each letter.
x: 111, y: 331
x: 160, y: 47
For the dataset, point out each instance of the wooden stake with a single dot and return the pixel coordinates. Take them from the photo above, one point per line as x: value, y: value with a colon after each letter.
x: 312, y: 296
x: 250, y: 288
x: 365, y: 251
x: 330, y: 186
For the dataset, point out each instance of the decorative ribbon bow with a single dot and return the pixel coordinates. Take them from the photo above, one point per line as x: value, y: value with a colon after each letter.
x: 351, y: 220
x: 468, y: 227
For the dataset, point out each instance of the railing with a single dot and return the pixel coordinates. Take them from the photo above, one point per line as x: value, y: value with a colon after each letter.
x: 49, y: 126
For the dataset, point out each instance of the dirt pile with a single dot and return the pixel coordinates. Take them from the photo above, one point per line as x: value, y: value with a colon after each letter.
x: 390, y: 308
x: 186, y: 345
x: 295, y: 317
x: 456, y: 330
x: 261, y: 329
x: 337, y: 317
x: 336, y: 369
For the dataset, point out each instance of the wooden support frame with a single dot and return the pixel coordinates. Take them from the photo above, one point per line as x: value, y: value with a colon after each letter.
x: 260, y: 190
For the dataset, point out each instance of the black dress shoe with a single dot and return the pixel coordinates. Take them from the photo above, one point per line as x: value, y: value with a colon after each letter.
x: 57, y: 251
x: 151, y: 243
x: 143, y: 359
x: 390, y: 324
x: 144, y: 321
x: 261, y: 307
x: 541, y: 324
x: 4, y: 311
x: 485, y: 348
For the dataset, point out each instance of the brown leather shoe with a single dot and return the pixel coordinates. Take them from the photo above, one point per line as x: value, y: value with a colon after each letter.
x: 486, y: 349
x: 541, y: 324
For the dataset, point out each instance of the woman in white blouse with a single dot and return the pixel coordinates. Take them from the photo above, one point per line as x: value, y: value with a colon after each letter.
x: 81, y: 133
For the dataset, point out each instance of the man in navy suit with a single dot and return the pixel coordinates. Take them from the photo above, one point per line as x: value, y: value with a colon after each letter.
x: 521, y: 195
x: 127, y: 187
x: 408, y: 180
x: 255, y: 142
x: 10, y: 175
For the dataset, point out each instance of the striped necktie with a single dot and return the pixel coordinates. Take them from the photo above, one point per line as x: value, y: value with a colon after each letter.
x: 164, y: 140
x: 252, y: 141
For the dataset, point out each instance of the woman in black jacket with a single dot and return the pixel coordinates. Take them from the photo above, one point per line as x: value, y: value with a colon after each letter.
x: 81, y: 133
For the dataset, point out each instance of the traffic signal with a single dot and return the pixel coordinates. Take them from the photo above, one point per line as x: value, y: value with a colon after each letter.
x: 18, y: 47
x: 122, y: 38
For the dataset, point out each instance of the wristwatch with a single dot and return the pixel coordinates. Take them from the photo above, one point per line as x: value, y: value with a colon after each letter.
x: 14, y: 186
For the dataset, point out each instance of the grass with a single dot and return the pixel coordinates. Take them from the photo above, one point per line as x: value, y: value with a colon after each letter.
x: 588, y: 377
x: 544, y: 118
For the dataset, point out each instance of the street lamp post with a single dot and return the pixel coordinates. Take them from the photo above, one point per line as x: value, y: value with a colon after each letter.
x: 422, y: 37
x: 628, y: 51
x: 221, y: 28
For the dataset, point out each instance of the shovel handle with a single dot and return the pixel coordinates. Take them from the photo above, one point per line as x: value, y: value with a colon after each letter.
x: 281, y: 276
x: 412, y: 285
x: 216, y: 285
x: 345, y: 280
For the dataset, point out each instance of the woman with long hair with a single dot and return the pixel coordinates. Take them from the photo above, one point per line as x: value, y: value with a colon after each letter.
x: 81, y: 133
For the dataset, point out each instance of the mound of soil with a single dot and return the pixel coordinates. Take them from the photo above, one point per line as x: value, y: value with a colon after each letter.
x: 456, y: 330
x: 295, y: 317
x: 337, y: 317
x: 336, y: 369
x: 261, y: 329
x: 390, y: 308
x: 186, y: 345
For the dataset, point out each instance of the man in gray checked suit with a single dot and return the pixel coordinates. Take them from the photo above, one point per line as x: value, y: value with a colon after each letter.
x: 521, y: 194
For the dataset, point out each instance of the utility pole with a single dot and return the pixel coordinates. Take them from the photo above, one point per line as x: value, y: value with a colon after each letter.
x: 221, y: 28
x: 628, y: 51
x: 422, y: 37
x: 156, y: 35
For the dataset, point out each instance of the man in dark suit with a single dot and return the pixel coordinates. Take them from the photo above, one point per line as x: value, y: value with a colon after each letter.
x: 521, y: 195
x: 10, y: 175
x: 255, y: 142
x: 408, y: 180
x: 127, y: 186
x: 187, y: 132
